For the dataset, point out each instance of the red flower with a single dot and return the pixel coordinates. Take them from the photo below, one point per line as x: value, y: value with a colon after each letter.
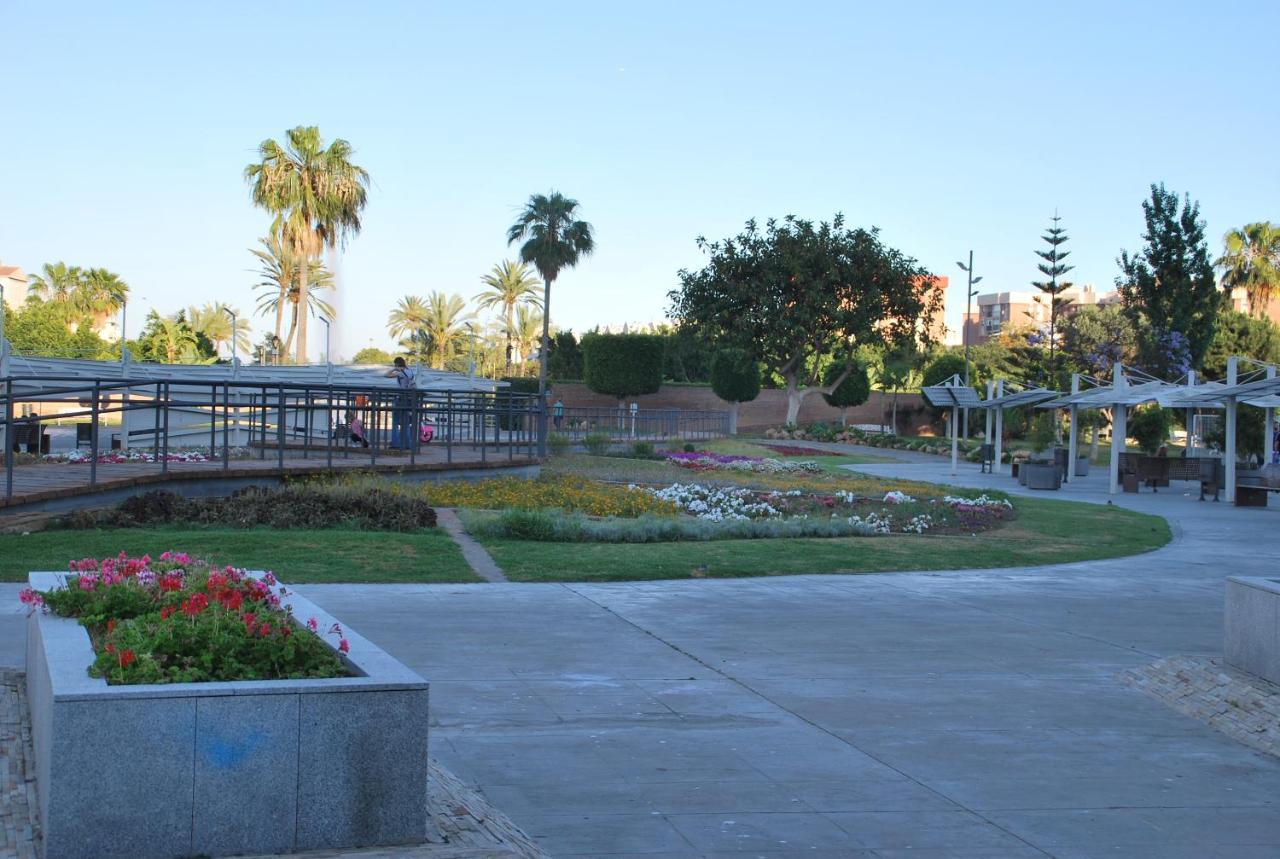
x: 127, y: 658
x: 110, y: 648
x: 195, y: 604
x: 264, y: 630
x: 166, y: 611
x: 343, y: 646
x: 111, y: 627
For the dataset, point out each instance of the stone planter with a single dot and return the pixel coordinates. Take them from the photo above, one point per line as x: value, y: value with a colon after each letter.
x: 1042, y: 475
x: 1253, y: 626
x: 1020, y: 472
x: 215, y: 769
x: 1082, y: 466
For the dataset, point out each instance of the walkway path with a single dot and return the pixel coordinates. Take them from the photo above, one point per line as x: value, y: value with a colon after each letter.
x: 966, y: 713
x: 480, y: 561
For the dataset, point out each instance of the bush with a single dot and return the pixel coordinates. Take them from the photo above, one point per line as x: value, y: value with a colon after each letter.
x: 853, y: 391
x: 303, y: 505
x: 1043, y: 433
x: 642, y: 449
x: 1149, y: 427
x: 597, y: 443
x: 690, y: 447
x: 622, y: 365
x: 557, y: 444
x: 735, y: 376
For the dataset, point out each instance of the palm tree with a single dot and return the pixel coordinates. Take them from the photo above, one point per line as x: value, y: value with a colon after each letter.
x: 1251, y: 259
x: 58, y: 282
x: 212, y: 320
x: 510, y: 283
x: 409, y: 315
x: 173, y: 338
x: 281, y: 275
x: 443, y: 326
x: 554, y: 239
x: 100, y: 296
x: 316, y: 195
x: 525, y: 330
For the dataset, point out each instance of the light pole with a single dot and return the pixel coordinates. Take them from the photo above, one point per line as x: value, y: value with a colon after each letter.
x: 232, y: 314
x: 471, y: 332
x: 124, y: 333
x: 969, y: 293
x: 328, y: 360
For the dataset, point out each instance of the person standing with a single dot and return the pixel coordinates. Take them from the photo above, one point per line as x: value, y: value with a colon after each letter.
x: 401, y: 419
x: 557, y: 413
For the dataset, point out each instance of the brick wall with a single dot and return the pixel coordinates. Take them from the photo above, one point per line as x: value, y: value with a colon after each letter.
x: 767, y: 410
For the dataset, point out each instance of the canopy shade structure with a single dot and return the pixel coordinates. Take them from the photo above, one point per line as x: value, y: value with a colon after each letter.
x: 952, y: 396
x: 1029, y: 397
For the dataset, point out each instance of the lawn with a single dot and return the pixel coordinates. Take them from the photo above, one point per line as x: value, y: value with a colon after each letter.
x: 1045, y: 532
x: 296, y: 556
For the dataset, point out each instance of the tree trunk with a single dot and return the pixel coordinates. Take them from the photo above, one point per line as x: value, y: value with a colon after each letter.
x: 284, y: 299
x: 844, y: 416
x: 288, y: 343
x: 794, y: 397
x: 893, y: 425
x: 542, y: 366
x: 733, y: 418
x: 304, y: 309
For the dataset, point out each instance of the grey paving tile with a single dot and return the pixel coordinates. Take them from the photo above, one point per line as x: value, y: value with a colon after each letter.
x: 752, y: 832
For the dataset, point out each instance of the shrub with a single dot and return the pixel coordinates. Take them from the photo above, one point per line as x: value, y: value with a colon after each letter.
x: 642, y: 450
x: 1149, y: 427
x: 557, y: 444
x: 1043, y: 433
x: 690, y: 447
x: 853, y: 391
x: 622, y: 365
x: 597, y: 443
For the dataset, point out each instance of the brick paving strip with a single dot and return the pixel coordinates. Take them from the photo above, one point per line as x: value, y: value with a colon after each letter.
x: 1240, y: 705
x: 463, y: 823
x: 482, y: 564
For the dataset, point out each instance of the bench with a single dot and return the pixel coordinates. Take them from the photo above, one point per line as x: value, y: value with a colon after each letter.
x: 28, y: 434
x: 1252, y: 487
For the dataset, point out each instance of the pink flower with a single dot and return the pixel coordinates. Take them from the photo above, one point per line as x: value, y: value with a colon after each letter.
x: 343, y: 646
x: 269, y: 578
x: 313, y: 625
x: 28, y: 596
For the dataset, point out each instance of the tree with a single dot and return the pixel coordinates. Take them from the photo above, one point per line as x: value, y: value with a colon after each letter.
x: 56, y: 282
x: 795, y: 292
x: 510, y: 283
x: 1168, y: 288
x: 942, y: 368
x: 212, y: 320
x: 1096, y: 338
x: 1251, y: 261
x: 39, y: 328
x: 622, y: 365
x: 523, y: 331
x: 566, y: 357
x: 172, y: 340
x: 443, y: 325
x: 280, y: 270
x: 853, y: 391
x: 554, y: 239
x: 409, y: 315
x: 372, y: 355
x: 898, y: 368
x: 1149, y: 426
x: 316, y: 195
x: 1241, y: 334
x: 1053, y: 268
x: 735, y: 378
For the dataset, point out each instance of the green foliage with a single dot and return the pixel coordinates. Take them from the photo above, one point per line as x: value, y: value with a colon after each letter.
x: 1043, y: 432
x: 1053, y: 268
x: 642, y: 449
x: 44, y: 328
x: 310, y: 505
x: 946, y: 365
x: 687, y: 355
x: 1149, y: 426
x: 854, y: 390
x: 795, y: 291
x: 1168, y: 288
x: 565, y: 360
x: 597, y: 444
x: 1251, y: 261
x: 172, y: 340
x: 735, y: 376
x: 1239, y: 334
x: 622, y: 365
x: 557, y: 444
x: 1095, y: 339
x: 372, y: 355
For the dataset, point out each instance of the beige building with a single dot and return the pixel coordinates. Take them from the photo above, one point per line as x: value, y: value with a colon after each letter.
x: 1239, y: 300
x: 13, y: 282
x: 1030, y: 308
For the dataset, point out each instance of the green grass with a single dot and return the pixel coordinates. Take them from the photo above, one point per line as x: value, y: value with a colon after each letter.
x: 755, y: 447
x: 295, y: 556
x: 1045, y: 532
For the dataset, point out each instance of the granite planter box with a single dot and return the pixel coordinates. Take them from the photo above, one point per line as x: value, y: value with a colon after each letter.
x: 1253, y: 626
x: 1042, y: 475
x: 217, y: 769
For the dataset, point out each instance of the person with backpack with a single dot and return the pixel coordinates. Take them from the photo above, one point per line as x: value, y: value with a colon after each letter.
x: 401, y: 417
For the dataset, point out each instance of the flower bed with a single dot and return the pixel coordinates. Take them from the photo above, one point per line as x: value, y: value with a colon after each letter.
x: 196, y: 454
x: 703, y: 460
x: 557, y: 492
x: 181, y: 620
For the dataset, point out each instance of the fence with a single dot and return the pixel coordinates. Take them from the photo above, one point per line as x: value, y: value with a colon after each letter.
x: 644, y: 424
x: 310, y: 420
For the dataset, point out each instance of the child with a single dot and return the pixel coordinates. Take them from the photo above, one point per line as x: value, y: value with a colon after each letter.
x: 356, y: 426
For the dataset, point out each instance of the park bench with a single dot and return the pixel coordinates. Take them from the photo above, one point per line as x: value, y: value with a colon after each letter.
x: 27, y: 434
x: 1252, y: 486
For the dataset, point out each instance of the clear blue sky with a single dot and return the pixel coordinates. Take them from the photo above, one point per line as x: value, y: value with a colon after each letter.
x: 949, y: 126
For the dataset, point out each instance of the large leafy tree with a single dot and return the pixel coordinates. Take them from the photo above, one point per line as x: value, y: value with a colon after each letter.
x: 509, y: 284
x: 172, y: 340
x: 1241, y: 334
x: 1251, y: 260
x: 554, y: 238
x: 853, y: 391
x: 735, y: 378
x: 795, y: 291
x: 565, y: 358
x: 1168, y: 288
x: 90, y: 296
x: 316, y: 194
x: 1053, y: 267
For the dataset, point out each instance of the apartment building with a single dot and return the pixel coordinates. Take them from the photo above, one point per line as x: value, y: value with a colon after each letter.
x: 13, y: 283
x: 1029, y: 308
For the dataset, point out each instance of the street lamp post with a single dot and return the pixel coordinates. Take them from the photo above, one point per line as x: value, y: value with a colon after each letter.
x: 234, y: 360
x: 328, y: 360
x: 969, y: 293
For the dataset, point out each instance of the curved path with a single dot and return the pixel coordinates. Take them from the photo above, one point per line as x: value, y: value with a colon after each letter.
x: 965, y: 713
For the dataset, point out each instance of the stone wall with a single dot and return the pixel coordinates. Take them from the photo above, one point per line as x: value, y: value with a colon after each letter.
x: 768, y: 409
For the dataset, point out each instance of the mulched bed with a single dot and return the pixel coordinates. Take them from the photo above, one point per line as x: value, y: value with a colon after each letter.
x: 797, y: 450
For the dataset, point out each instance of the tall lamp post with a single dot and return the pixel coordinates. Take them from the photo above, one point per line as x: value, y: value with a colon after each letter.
x: 969, y: 293
x: 235, y: 362
x: 328, y: 360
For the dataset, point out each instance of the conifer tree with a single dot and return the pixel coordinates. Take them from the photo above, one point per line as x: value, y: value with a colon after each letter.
x: 1053, y: 268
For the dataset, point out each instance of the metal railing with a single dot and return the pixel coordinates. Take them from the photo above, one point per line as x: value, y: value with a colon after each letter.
x: 311, y: 420
x: 640, y: 424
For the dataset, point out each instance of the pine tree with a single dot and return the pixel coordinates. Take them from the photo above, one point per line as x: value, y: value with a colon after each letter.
x: 1053, y: 268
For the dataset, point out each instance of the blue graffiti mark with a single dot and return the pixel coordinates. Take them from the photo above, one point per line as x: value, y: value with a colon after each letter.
x: 230, y: 752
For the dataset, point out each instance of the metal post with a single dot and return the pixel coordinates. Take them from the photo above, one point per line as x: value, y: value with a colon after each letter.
x: 1119, y: 426
x: 213, y: 419
x: 226, y: 426
x: 1269, y: 425
x: 331, y: 431
x: 280, y: 430
x: 1229, y: 457
x: 986, y: 432
x: 8, y: 438
x: 997, y: 465
x: 1191, y: 412
x: 416, y: 430
x: 164, y: 454
x: 448, y: 438
x: 1073, y: 437
x: 955, y: 438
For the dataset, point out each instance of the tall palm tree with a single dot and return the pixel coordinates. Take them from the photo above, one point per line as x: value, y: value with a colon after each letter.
x: 510, y: 283
x: 554, y: 239
x: 57, y: 281
x: 1251, y: 259
x: 316, y: 195
x: 444, y: 326
x: 409, y: 315
x: 525, y: 330
x: 212, y: 321
x: 280, y: 270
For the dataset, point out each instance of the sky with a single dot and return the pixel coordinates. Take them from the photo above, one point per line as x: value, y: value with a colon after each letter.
x: 951, y: 127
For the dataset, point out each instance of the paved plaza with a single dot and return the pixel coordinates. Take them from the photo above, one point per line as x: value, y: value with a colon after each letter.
x: 965, y: 713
